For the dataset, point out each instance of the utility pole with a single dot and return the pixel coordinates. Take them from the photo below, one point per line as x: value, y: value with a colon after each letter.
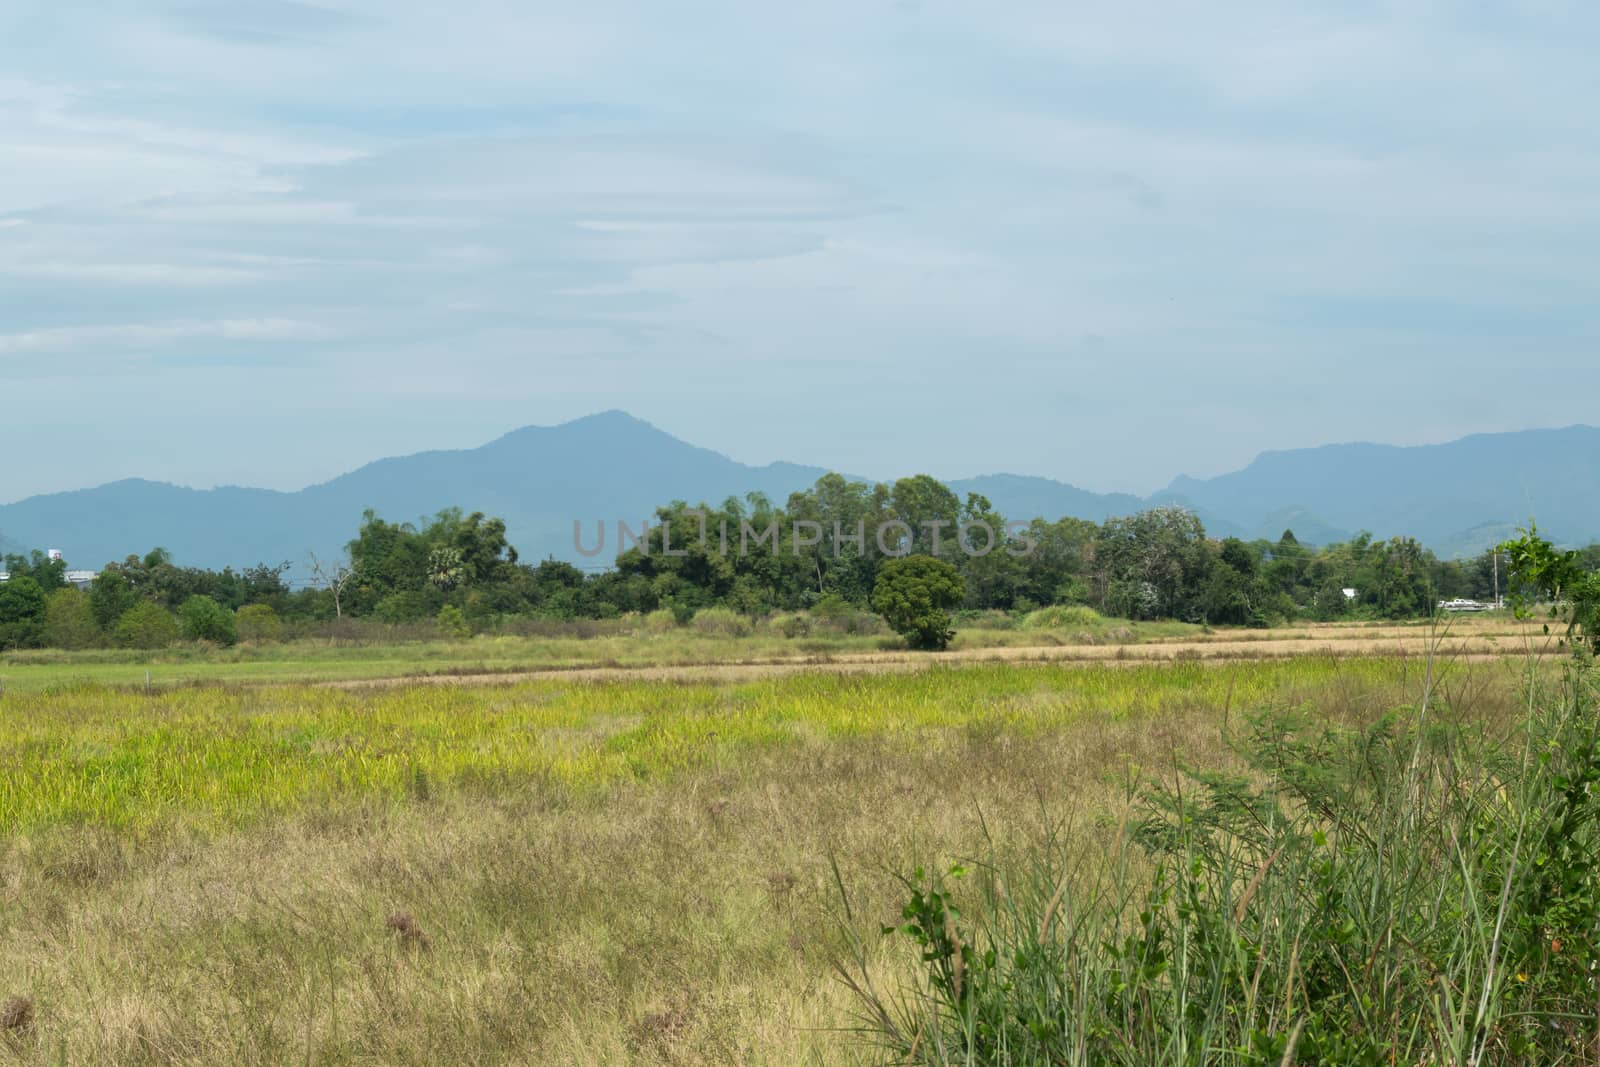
x: 1495, y: 554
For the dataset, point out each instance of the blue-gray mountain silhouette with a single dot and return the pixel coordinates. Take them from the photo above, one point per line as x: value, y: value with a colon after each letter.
x: 1457, y: 497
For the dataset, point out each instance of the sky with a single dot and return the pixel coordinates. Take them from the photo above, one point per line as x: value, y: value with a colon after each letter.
x: 261, y: 242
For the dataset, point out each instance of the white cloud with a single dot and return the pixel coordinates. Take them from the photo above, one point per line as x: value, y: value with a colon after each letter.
x: 133, y: 273
x: 93, y: 339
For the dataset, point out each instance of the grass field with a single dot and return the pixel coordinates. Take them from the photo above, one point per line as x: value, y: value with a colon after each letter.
x: 621, y: 648
x: 608, y: 871
x: 575, y: 646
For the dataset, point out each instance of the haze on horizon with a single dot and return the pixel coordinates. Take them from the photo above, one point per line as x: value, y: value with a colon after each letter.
x: 263, y: 242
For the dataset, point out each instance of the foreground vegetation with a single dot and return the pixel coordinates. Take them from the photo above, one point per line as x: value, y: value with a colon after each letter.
x: 577, y: 873
x: 1420, y: 889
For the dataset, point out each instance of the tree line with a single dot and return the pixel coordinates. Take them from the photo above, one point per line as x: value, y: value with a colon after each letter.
x: 822, y: 549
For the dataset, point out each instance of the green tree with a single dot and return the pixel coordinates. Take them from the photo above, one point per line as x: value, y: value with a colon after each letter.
x: 69, y: 620
x: 445, y: 567
x: 1539, y: 571
x: 913, y: 595
x: 451, y: 552
x: 994, y: 575
x: 51, y: 574
x: 1396, y: 579
x: 932, y: 511
x: 204, y: 619
x: 111, y: 595
x: 146, y: 625
x: 22, y: 607
x: 1154, y: 563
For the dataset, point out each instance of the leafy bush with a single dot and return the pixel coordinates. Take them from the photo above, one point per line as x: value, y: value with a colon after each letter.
x: 986, y: 619
x: 69, y: 620
x: 721, y: 622
x: 913, y: 593
x: 791, y: 625
x: 831, y: 606
x: 660, y: 621
x: 203, y: 619
x: 258, y: 622
x: 453, y: 622
x: 146, y: 625
x: 1538, y: 570
x: 410, y: 605
x: 1062, y: 617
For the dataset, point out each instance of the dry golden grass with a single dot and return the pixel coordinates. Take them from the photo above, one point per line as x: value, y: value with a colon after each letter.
x: 684, y: 914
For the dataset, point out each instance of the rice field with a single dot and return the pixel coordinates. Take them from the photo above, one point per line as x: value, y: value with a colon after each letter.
x: 613, y: 649
x: 618, y: 870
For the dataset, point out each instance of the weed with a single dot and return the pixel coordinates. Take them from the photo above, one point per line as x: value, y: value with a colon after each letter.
x: 407, y: 931
x: 16, y: 1014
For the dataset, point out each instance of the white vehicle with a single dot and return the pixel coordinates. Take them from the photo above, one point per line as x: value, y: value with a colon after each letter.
x: 1463, y: 604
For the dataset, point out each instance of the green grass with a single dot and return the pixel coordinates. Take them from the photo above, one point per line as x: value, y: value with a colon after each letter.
x: 91, y: 755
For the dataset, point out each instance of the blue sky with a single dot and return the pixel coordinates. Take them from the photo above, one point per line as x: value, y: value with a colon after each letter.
x: 261, y: 242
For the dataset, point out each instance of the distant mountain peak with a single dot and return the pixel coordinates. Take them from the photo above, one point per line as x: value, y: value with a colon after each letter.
x: 607, y: 465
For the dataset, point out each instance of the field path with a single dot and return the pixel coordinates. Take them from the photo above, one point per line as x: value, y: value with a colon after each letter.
x: 1397, y: 641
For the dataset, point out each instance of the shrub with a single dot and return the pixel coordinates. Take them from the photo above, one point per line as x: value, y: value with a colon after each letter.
x: 660, y: 621
x: 453, y: 622
x: 1539, y: 570
x: 203, y: 619
x: 258, y: 622
x: 146, y: 625
x: 69, y: 620
x: 721, y: 622
x: 913, y: 595
x: 411, y: 605
x: 832, y: 606
x: 852, y: 622
x: 791, y: 625
x: 1062, y: 617
x: 985, y: 619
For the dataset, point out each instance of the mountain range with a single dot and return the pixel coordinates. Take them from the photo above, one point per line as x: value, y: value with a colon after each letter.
x: 1457, y: 498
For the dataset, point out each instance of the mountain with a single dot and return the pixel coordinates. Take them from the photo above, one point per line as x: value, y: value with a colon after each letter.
x: 1026, y: 496
x: 1458, y: 498
x: 608, y: 466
